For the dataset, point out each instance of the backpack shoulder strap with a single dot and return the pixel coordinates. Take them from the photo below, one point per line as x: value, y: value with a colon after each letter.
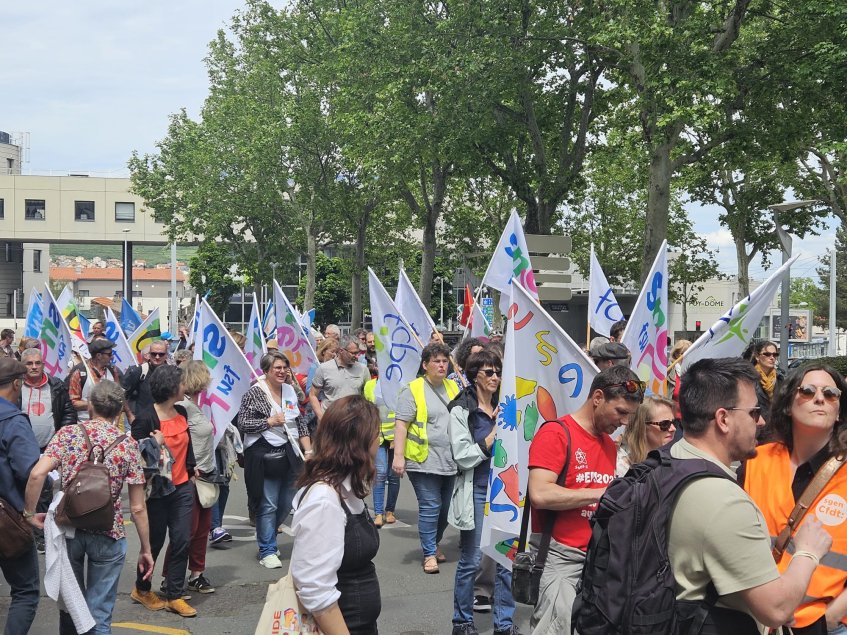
x: 87, y: 441
x: 113, y: 444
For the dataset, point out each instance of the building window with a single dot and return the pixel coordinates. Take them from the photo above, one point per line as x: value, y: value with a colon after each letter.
x: 125, y: 212
x: 136, y: 293
x: 36, y: 260
x: 119, y: 293
x: 2, y: 208
x: 83, y: 293
x: 34, y: 209
x: 84, y: 210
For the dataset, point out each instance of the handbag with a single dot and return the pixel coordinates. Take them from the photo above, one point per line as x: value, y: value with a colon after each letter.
x: 275, y: 462
x: 813, y: 489
x: 207, y: 493
x: 283, y: 614
x: 528, y: 566
x: 15, y: 532
x: 87, y: 502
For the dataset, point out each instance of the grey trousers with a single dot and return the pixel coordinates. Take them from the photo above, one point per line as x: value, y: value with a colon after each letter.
x: 557, y: 591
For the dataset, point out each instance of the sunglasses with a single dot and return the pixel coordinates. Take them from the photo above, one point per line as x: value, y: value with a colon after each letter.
x: 490, y: 372
x: 755, y: 413
x: 631, y: 385
x: 664, y: 425
x: 830, y: 393
x: 152, y: 354
x: 769, y: 354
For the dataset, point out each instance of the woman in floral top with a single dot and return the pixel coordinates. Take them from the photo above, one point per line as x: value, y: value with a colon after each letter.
x: 104, y: 550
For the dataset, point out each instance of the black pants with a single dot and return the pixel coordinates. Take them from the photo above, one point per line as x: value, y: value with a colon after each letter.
x: 254, y: 473
x: 170, y: 515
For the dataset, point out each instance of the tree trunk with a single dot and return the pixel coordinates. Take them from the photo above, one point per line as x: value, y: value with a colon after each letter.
x: 311, y: 257
x: 658, y: 204
x: 743, y: 266
x: 684, y: 306
x: 433, y: 213
x: 359, y: 267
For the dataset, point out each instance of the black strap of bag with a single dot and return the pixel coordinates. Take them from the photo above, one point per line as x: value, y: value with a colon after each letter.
x: 544, y: 546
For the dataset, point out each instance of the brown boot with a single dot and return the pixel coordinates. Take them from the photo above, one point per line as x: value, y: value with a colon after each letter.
x: 181, y: 608
x: 148, y: 599
x: 378, y: 520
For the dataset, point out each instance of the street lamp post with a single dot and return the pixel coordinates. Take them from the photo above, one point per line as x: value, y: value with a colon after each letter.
x: 785, y: 241
x: 127, y: 267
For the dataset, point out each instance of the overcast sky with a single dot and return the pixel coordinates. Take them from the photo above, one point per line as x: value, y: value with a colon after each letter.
x: 91, y: 81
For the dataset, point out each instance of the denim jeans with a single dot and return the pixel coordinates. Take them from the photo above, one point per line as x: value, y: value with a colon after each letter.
x: 504, y: 604
x: 21, y: 574
x: 219, y: 507
x: 841, y: 629
x: 277, y: 496
x: 384, y: 458
x: 433, y: 492
x: 98, y: 578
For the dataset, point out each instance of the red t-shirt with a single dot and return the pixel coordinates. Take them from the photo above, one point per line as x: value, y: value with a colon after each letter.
x: 176, y: 438
x: 592, y: 465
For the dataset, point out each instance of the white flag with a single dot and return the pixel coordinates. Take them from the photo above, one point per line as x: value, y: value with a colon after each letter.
x: 290, y: 338
x: 410, y: 306
x: 147, y: 332
x: 545, y: 376
x: 255, y: 346
x: 603, y: 309
x: 510, y: 261
x: 192, y: 328
x: 731, y: 334
x: 646, y: 334
x: 55, y: 338
x: 122, y: 355
x: 230, y: 370
x: 70, y: 312
x: 398, y: 353
x: 479, y: 326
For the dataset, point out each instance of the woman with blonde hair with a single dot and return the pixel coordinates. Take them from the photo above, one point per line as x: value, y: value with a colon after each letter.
x: 678, y: 350
x: 653, y: 425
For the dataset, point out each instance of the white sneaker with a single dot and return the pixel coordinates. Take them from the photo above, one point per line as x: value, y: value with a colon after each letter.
x: 271, y: 562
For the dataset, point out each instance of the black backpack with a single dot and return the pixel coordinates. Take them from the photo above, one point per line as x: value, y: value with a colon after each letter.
x: 627, y: 585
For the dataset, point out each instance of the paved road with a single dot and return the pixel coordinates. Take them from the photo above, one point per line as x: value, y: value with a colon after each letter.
x: 412, y: 603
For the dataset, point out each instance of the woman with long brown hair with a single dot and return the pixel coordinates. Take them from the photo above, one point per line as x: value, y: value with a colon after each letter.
x: 809, y: 427
x: 335, y: 539
x: 653, y: 425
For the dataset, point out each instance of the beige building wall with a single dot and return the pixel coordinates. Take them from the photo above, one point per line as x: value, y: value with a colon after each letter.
x: 10, y: 157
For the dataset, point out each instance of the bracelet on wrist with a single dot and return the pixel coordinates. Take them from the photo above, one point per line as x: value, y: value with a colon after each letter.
x: 807, y: 554
x: 28, y: 515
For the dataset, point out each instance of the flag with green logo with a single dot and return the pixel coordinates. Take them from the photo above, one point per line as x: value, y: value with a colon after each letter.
x: 731, y: 334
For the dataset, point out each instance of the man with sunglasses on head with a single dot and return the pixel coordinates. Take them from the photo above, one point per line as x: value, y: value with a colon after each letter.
x: 718, y: 540
x: 136, y: 382
x: 339, y: 377
x: 614, y: 396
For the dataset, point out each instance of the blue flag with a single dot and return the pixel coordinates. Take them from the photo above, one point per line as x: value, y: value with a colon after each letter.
x: 84, y: 325
x: 130, y: 320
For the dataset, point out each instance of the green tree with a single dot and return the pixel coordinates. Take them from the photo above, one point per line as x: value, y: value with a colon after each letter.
x: 821, y: 307
x: 332, y: 290
x: 210, y: 272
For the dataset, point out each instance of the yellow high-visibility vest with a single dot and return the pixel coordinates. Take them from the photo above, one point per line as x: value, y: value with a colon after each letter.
x: 386, y: 429
x: 417, y: 442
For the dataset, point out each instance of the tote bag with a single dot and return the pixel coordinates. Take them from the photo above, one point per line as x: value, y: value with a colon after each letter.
x: 283, y: 613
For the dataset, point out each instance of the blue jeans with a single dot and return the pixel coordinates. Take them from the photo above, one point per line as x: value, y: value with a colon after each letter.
x: 504, y: 604
x: 384, y: 458
x: 841, y: 629
x: 219, y: 507
x: 21, y: 574
x: 277, y: 495
x: 433, y: 492
x: 98, y: 581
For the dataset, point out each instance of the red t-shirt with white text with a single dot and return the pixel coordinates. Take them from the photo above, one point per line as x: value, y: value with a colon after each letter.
x: 592, y: 466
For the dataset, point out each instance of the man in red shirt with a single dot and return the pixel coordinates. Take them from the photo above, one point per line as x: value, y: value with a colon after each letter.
x: 613, y: 398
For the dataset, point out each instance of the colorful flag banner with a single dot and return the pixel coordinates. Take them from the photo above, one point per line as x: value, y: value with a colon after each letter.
x: 646, y: 334
x: 122, y: 356
x: 545, y: 376
x: 269, y: 321
x: 34, y: 315
x: 147, y: 332
x: 412, y: 309
x: 603, y: 309
x: 306, y: 321
x: 290, y: 338
x: 255, y: 346
x: 479, y: 326
x: 231, y: 372
x: 465, y: 316
x: 398, y: 352
x: 510, y: 261
x: 70, y: 313
x: 84, y: 325
x: 192, y: 328
x: 55, y: 338
x: 130, y: 320
x: 730, y: 335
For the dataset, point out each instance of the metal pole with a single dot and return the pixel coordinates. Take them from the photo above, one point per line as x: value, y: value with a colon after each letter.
x: 174, y: 303
x: 785, y: 239
x: 243, y: 322
x: 15, y: 307
x: 441, y: 319
x: 833, y: 345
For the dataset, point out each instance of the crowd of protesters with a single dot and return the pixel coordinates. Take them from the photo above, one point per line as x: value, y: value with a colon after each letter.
x: 319, y: 445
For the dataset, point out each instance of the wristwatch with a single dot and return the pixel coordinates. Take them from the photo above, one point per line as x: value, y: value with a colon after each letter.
x: 27, y: 514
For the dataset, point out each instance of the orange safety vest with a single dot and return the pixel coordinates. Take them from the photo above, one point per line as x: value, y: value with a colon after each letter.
x: 768, y: 482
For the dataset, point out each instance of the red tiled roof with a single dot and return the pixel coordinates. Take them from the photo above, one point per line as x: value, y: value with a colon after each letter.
x: 70, y: 274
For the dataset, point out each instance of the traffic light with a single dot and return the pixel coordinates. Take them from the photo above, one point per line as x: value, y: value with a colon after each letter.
x: 697, y: 325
